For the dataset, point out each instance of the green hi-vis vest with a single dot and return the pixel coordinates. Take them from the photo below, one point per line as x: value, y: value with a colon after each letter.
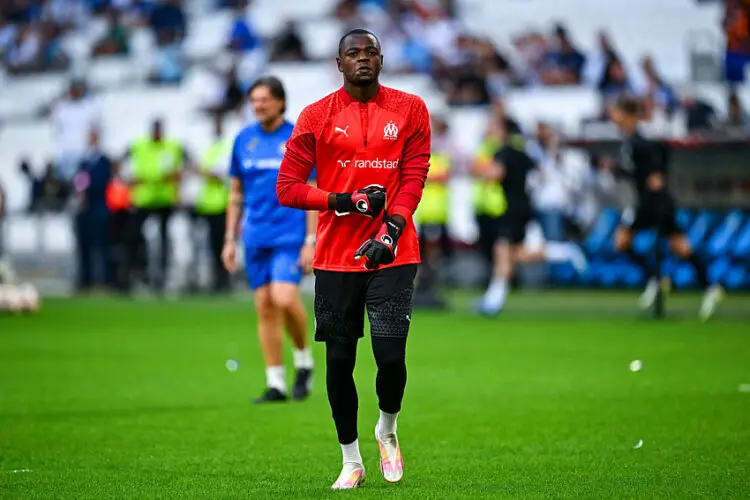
x: 152, y: 163
x: 433, y: 208
x: 214, y: 196
x: 488, y: 196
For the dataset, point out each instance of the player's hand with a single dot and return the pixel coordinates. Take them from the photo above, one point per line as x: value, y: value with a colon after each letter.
x: 229, y: 256
x: 306, y: 257
x: 382, y: 248
x: 369, y: 201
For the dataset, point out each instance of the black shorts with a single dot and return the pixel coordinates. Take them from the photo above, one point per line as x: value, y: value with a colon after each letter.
x: 661, y: 217
x: 511, y: 226
x: 341, y: 299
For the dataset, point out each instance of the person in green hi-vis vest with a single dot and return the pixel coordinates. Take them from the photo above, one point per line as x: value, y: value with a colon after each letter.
x: 213, y: 198
x: 432, y: 216
x: 153, y: 173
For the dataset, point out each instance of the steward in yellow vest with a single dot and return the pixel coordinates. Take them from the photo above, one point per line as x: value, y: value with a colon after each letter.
x: 154, y: 178
x: 213, y: 199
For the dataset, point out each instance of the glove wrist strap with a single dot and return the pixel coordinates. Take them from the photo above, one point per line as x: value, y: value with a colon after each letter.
x: 343, y: 204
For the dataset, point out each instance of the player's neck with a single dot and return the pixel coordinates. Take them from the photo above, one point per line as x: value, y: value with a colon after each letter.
x: 273, y: 125
x: 362, y: 94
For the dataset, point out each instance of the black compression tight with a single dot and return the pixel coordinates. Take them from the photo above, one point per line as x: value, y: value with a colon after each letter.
x: 390, y: 356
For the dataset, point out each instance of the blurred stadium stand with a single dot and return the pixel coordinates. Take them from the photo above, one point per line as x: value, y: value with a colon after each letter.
x: 684, y: 38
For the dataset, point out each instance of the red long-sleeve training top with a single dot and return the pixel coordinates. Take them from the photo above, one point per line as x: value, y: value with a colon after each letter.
x: 353, y: 144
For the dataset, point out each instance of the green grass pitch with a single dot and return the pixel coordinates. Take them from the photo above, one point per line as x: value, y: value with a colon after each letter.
x: 127, y: 399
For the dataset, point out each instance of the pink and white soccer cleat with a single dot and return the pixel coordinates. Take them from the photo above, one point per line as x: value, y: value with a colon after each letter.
x: 352, y: 476
x: 391, y: 461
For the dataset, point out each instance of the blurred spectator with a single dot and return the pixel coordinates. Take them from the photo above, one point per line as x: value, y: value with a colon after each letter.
x: 598, y: 60
x: 53, y: 56
x: 737, y: 29
x: 738, y: 120
x: 7, y: 36
x: 701, y: 116
x: 404, y: 53
x: 247, y: 47
x: 563, y: 63
x: 551, y: 187
x: 24, y: 54
x: 48, y: 193
x: 495, y: 68
x: 531, y: 48
x: 73, y: 117
x: 168, y: 22
x: 115, y: 41
x: 287, y: 46
x: 597, y: 191
x: 224, y: 94
x: 92, y: 218
x: 66, y: 14
x: 346, y: 11
x: 22, y: 11
x: 658, y: 95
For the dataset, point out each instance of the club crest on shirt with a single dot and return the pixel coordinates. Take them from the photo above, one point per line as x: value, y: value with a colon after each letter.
x: 282, y: 148
x: 390, y: 131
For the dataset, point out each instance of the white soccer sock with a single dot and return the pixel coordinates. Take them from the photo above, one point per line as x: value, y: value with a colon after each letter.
x: 303, y: 359
x: 276, y: 378
x: 350, y: 452
x: 496, y: 293
x: 386, y: 423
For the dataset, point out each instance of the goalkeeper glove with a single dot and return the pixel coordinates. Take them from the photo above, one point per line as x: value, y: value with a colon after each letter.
x: 369, y: 201
x: 382, y: 248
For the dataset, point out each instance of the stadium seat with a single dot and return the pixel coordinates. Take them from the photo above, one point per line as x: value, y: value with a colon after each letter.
x: 717, y: 269
x: 109, y: 72
x: 741, y: 247
x: 599, y: 240
x: 721, y: 240
x: 736, y: 277
x: 700, y: 229
x: 684, y: 276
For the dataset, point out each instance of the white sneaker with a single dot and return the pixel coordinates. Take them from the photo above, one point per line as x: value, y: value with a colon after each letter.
x: 352, y: 476
x: 391, y: 460
x: 711, y: 299
x: 648, y: 297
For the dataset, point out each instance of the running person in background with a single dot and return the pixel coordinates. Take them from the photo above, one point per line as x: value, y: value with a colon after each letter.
x: 360, y: 137
x: 279, y: 242
x: 645, y: 163
x: 511, y: 168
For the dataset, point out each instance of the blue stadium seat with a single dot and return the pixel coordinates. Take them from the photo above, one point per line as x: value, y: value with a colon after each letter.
x: 741, y: 247
x: 717, y: 269
x: 633, y: 276
x: 736, y: 277
x: 721, y: 240
x: 599, y: 240
x: 700, y: 228
x: 643, y: 242
x: 684, y: 217
x: 563, y: 273
x: 684, y: 276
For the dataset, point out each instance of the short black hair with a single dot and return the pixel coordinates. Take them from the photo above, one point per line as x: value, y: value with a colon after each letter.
x: 275, y: 87
x: 357, y: 32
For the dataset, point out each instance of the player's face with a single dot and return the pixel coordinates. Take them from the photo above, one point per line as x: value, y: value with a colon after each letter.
x: 265, y: 106
x: 360, y: 60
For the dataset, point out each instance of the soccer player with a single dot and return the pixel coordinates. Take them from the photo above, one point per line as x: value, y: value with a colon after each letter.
x: 645, y: 163
x: 511, y: 167
x: 279, y: 242
x: 370, y: 146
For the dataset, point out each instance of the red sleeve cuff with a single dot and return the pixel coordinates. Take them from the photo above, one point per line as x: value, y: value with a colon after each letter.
x: 317, y: 199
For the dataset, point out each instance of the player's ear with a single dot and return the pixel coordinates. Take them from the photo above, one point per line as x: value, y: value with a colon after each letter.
x: 338, y: 65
